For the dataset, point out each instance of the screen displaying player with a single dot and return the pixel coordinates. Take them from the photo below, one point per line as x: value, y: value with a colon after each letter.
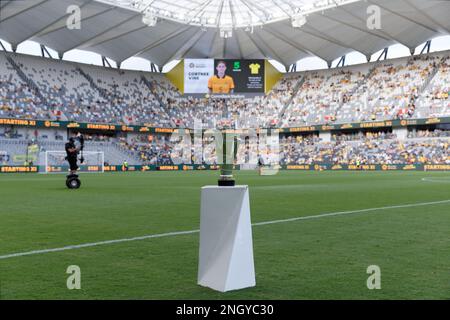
x: 220, y: 83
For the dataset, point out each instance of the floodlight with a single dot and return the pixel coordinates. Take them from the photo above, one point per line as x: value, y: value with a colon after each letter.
x: 149, y: 19
x: 226, y: 32
x: 298, y: 21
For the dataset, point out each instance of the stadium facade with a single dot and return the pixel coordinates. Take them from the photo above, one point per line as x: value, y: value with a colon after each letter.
x: 383, y: 115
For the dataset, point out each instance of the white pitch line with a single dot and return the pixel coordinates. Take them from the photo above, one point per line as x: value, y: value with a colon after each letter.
x: 177, y: 233
x: 434, y: 180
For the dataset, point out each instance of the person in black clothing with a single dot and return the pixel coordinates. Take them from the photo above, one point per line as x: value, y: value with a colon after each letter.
x: 260, y: 163
x: 72, y: 153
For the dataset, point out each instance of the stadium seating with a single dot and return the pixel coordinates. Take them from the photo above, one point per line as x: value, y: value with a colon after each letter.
x: 384, y: 90
x: 377, y: 150
x: 14, y: 151
x: 390, y: 90
x: 131, y: 100
x: 41, y: 88
x: 67, y: 93
x: 422, y: 146
x: 16, y: 98
x: 435, y: 100
x: 321, y: 95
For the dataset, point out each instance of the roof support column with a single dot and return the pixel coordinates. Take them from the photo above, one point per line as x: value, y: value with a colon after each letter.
x: 383, y: 53
x: 1, y: 45
x: 341, y: 62
x: 427, y: 47
x: 105, y: 62
x: 45, y: 51
x: 153, y: 67
x: 293, y: 68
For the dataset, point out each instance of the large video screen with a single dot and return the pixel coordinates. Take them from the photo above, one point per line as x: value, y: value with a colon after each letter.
x: 223, y: 76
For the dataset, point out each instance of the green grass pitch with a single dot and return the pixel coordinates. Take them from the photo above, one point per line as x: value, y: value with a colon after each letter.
x: 323, y: 258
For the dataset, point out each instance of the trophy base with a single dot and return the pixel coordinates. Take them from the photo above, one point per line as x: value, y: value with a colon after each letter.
x: 226, y: 259
x: 226, y: 183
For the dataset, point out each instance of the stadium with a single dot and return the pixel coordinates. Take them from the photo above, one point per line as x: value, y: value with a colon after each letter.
x: 325, y: 123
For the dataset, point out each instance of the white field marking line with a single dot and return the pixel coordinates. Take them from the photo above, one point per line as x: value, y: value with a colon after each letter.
x: 434, y: 180
x: 177, y: 233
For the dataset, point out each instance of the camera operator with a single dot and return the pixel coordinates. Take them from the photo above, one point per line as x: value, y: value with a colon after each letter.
x: 72, y: 151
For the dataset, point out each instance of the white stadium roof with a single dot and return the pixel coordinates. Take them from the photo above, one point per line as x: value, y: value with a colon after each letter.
x: 195, y: 29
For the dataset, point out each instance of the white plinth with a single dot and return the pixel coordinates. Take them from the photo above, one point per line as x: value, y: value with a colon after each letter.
x: 226, y: 245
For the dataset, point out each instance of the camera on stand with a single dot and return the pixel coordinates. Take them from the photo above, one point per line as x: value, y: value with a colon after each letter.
x: 73, y: 181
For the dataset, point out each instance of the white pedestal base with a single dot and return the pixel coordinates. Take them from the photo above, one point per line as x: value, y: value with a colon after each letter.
x: 226, y: 245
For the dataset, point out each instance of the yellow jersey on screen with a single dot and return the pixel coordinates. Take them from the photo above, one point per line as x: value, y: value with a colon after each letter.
x: 254, y: 68
x: 221, y: 85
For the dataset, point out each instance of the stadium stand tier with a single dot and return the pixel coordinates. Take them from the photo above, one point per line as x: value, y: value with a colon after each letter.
x: 406, y: 88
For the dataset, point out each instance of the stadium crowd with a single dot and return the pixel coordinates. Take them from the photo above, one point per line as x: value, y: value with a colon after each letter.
x: 381, y: 150
x: 428, y: 146
x: 42, y: 88
x: 363, y: 135
x: 412, y: 87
